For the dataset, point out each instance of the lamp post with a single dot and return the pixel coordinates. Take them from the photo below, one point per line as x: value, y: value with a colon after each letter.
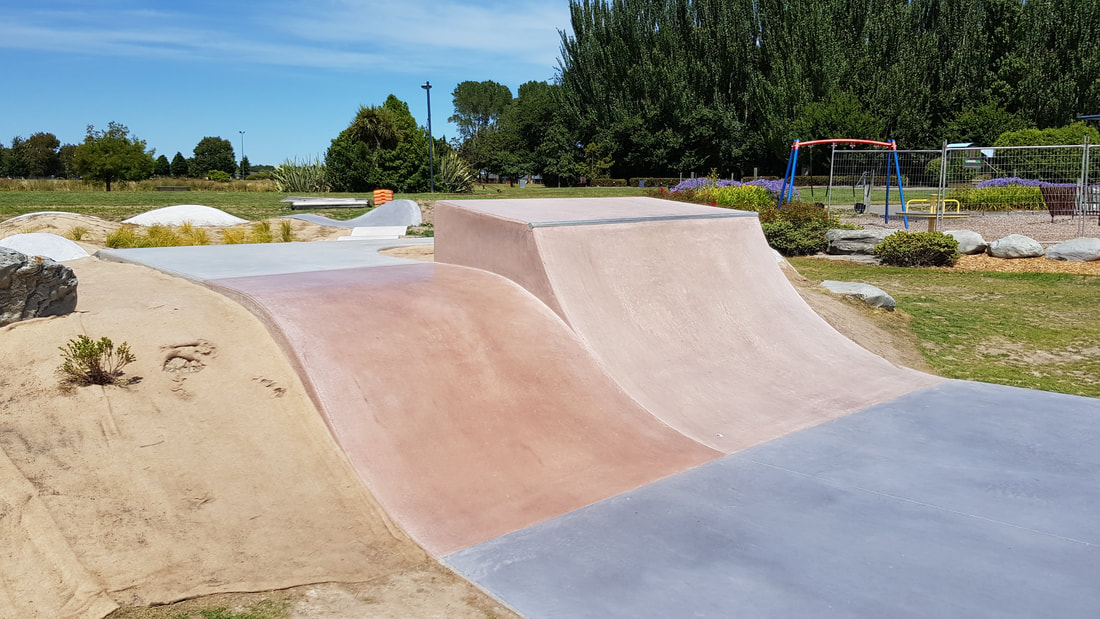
x: 240, y: 168
x: 427, y: 86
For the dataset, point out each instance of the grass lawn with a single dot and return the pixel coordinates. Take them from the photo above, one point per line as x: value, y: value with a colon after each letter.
x: 1035, y: 330
x: 119, y: 205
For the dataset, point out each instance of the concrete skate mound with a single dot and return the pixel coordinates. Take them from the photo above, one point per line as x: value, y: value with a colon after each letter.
x: 683, y: 305
x: 45, y: 245
x: 195, y: 214
x: 465, y: 405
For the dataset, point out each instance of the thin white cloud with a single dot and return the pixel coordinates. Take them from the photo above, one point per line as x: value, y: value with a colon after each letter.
x: 348, y: 35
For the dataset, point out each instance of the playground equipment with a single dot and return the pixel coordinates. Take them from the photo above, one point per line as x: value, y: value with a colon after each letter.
x: 787, y: 188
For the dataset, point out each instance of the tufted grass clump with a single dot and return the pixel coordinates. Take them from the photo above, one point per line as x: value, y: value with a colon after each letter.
x: 234, y: 236
x: 918, y: 249
x: 77, y: 233
x: 261, y: 232
x: 286, y: 231
x: 89, y: 362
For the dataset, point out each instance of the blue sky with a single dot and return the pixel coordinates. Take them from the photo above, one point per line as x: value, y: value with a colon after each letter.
x: 291, y: 75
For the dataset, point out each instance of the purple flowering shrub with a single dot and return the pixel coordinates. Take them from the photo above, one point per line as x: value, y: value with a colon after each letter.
x: 1018, y: 182
x: 703, y: 183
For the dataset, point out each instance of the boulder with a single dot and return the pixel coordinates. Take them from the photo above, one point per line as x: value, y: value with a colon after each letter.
x: 31, y: 287
x: 1082, y: 249
x: 875, y: 297
x: 1015, y: 246
x: 855, y: 241
x: 970, y: 242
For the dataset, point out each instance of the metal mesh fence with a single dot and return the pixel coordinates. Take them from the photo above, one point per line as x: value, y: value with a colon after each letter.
x: 858, y: 178
x: 1055, y: 179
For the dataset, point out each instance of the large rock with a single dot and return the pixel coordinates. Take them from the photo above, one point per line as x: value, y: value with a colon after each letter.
x: 855, y: 241
x: 875, y: 297
x: 1082, y: 249
x: 31, y: 287
x: 1015, y: 246
x: 970, y: 242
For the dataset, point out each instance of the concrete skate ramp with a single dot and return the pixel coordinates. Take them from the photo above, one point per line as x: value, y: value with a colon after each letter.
x: 466, y: 406
x: 684, y: 306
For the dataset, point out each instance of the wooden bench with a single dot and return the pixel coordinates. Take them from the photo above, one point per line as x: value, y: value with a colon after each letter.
x: 174, y: 188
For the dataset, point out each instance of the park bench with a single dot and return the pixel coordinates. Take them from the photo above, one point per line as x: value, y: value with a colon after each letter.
x: 174, y: 188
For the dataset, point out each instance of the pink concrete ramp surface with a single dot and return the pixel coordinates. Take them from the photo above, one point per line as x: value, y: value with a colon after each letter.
x: 467, y: 407
x: 684, y: 306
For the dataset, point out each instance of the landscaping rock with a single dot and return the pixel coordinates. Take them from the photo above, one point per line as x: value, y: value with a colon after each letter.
x: 875, y: 297
x: 1015, y: 246
x: 970, y: 242
x: 31, y: 287
x: 843, y: 242
x: 1082, y: 249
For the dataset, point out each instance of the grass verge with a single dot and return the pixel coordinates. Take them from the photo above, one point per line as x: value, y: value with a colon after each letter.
x: 1034, y: 330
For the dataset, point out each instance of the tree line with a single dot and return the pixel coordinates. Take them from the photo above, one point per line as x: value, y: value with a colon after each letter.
x: 113, y: 154
x: 666, y: 87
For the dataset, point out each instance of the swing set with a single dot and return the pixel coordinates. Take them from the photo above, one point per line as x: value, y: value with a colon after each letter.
x: 787, y: 188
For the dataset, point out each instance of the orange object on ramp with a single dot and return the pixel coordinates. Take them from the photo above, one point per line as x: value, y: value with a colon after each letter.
x: 467, y: 407
x: 685, y: 307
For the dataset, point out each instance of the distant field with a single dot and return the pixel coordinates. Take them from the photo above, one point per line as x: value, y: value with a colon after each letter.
x: 119, y: 205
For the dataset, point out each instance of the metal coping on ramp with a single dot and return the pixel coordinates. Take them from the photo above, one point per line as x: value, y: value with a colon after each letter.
x: 634, y: 220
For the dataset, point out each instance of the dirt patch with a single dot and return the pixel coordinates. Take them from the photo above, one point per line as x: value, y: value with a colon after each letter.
x: 425, y: 253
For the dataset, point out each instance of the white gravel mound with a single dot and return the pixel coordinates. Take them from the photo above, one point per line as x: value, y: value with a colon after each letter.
x: 196, y: 214
x: 43, y: 244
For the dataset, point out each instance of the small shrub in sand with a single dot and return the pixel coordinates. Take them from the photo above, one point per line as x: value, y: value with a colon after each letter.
x: 261, y: 232
x: 234, y: 236
x: 286, y: 231
x: 77, y: 233
x: 89, y: 362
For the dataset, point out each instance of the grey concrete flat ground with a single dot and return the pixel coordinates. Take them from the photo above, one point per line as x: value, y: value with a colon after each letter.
x: 203, y: 262
x: 962, y: 500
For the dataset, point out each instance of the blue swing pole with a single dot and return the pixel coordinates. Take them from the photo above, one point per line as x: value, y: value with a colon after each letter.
x: 794, y: 167
x: 787, y: 173
x: 901, y: 186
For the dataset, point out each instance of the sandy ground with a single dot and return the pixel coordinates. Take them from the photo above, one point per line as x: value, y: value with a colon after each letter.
x: 209, y: 472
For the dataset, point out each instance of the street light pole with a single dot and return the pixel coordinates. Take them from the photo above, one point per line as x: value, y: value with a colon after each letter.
x: 427, y: 86
x: 240, y: 168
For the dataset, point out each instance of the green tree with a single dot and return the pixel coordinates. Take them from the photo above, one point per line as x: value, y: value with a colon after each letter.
x: 213, y: 153
x: 479, y: 106
x: 163, y: 167
x: 5, y: 154
x: 179, y: 165
x: 392, y: 154
x: 65, y: 155
x: 37, y: 155
x: 982, y: 125
x: 112, y: 154
x: 246, y: 168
